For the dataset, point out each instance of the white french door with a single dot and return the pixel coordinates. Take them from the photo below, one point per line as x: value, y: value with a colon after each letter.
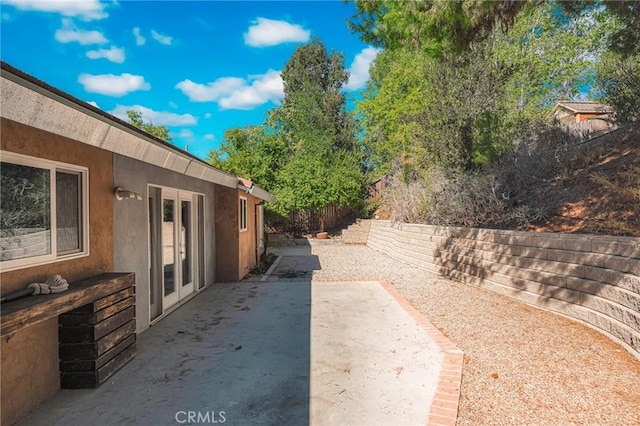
x: 170, y: 249
x: 185, y: 244
x: 175, y: 247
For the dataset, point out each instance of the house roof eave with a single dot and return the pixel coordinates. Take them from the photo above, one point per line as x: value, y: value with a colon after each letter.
x: 32, y: 102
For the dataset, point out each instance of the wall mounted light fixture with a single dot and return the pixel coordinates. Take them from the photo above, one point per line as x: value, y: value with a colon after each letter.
x: 246, y: 184
x: 122, y: 194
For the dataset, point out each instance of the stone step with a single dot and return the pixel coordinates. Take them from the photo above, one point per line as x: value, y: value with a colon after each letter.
x: 357, y: 233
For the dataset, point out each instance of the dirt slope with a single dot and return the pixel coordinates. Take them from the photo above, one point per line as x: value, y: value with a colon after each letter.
x: 600, y: 193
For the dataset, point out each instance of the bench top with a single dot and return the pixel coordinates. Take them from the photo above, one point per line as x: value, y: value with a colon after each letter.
x: 31, y: 310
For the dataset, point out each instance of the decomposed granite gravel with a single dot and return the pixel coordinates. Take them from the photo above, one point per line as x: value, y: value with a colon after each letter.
x: 522, y: 365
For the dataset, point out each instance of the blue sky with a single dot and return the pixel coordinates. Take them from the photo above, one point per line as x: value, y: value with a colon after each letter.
x: 198, y: 67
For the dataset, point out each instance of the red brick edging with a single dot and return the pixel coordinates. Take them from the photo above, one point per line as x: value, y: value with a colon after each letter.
x: 444, y: 408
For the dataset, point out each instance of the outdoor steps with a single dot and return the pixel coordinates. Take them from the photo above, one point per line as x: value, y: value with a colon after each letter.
x: 357, y: 233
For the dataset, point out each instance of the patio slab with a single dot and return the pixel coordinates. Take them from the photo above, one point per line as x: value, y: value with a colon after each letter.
x: 292, y: 352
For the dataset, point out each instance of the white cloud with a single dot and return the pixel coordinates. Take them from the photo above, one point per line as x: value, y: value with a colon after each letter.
x: 113, y: 54
x: 268, y: 32
x: 161, y: 118
x: 186, y: 134
x: 209, y: 137
x: 207, y: 115
x: 359, y: 69
x: 162, y: 39
x: 113, y: 85
x: 173, y: 105
x: 236, y: 92
x: 86, y: 10
x: 139, y: 39
x: 69, y: 33
x: 93, y: 104
x: 214, y: 91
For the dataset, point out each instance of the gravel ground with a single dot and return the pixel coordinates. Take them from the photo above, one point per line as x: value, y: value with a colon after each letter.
x: 522, y: 365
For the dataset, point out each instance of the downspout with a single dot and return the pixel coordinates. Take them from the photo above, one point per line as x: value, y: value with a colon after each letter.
x: 256, y: 209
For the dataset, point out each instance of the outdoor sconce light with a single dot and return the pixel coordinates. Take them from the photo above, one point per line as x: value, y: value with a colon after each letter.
x: 122, y: 194
x: 247, y: 185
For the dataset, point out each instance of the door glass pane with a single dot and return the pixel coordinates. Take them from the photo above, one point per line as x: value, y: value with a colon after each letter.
x: 68, y: 213
x: 168, y: 261
x: 155, y: 252
x: 25, y: 210
x: 200, y: 239
x: 185, y: 241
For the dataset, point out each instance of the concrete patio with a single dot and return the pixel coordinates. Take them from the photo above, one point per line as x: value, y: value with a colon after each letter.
x: 274, y: 352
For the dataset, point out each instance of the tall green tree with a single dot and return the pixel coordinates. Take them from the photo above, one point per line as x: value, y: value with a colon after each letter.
x: 161, y: 132
x: 619, y: 84
x: 464, y: 108
x: 434, y: 27
x: 322, y: 74
x: 553, y: 55
x: 391, y: 102
x: 325, y: 166
x: 306, y: 152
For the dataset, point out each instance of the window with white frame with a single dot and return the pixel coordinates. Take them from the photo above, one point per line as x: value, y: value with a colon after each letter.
x: 43, y: 211
x: 243, y: 214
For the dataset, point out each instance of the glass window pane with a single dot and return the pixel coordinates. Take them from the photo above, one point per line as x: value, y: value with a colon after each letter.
x: 185, y: 242
x: 25, y: 208
x: 243, y: 214
x: 168, y: 260
x: 200, y: 237
x: 68, y: 212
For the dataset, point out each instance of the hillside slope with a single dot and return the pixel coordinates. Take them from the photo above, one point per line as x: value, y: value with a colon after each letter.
x: 600, y: 193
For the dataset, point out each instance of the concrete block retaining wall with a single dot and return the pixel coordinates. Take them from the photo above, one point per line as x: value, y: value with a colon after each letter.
x: 593, y: 279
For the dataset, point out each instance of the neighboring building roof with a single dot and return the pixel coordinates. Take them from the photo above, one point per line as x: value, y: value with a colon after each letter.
x: 585, y: 107
x: 35, y: 103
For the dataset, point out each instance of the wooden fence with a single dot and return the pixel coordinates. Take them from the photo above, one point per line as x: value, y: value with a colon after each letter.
x: 307, y: 222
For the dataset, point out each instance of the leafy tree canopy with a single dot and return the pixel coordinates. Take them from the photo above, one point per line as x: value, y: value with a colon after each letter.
x: 306, y: 152
x: 434, y: 26
x: 135, y: 119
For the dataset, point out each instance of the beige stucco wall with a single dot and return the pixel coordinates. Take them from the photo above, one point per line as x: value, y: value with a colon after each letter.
x: 235, y: 249
x: 247, y: 239
x: 227, y: 228
x: 29, y: 369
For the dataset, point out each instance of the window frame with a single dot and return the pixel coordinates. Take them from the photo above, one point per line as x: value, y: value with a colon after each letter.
x: 53, y: 167
x: 243, y: 214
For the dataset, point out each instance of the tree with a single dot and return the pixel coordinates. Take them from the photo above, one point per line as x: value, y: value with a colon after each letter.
x: 325, y: 166
x: 393, y: 98
x: 435, y: 27
x: 553, y: 55
x: 462, y: 109
x: 161, y: 132
x: 312, y: 68
x: 306, y: 151
x: 253, y: 152
x: 619, y: 82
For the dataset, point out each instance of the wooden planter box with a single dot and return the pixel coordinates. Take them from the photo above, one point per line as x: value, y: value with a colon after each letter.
x: 97, y: 339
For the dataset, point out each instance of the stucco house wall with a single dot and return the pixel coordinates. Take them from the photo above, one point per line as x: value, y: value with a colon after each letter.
x: 227, y: 229
x: 42, y: 122
x: 29, y: 361
x: 247, y: 254
x: 131, y: 226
